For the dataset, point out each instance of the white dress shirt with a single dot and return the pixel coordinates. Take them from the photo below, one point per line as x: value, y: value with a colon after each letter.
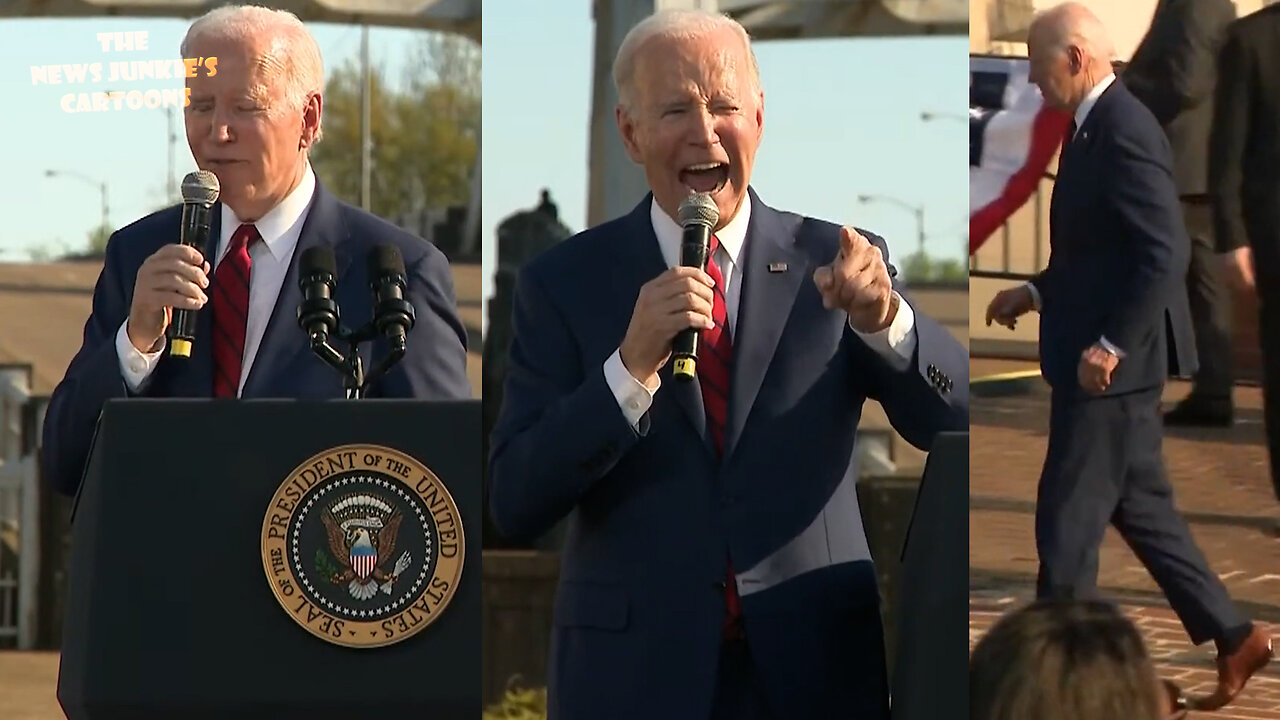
x: 1082, y: 112
x: 280, y: 229
x: 895, y: 343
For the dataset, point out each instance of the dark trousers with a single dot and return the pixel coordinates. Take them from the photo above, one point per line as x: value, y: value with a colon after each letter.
x: 1269, y: 337
x: 1210, y: 301
x: 738, y: 692
x: 1105, y: 465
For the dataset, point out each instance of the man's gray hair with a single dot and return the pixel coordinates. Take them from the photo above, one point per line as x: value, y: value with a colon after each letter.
x: 1072, y: 23
x: 676, y: 25
x: 292, y: 45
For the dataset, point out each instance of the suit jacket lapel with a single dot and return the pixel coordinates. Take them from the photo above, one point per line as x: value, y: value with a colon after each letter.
x: 283, y: 340
x: 1076, y: 151
x: 641, y: 261
x: 763, y: 308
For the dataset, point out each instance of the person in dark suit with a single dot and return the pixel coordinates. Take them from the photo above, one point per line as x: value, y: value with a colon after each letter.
x: 252, y: 124
x: 715, y: 564
x: 1244, y: 177
x: 1114, y: 323
x: 1173, y: 73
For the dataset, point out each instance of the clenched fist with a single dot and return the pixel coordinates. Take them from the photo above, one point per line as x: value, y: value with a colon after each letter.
x: 857, y: 281
x: 175, y: 276
x: 676, y: 300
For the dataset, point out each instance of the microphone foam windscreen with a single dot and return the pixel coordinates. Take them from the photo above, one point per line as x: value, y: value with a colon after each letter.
x: 317, y: 260
x: 385, y: 260
x: 200, y: 187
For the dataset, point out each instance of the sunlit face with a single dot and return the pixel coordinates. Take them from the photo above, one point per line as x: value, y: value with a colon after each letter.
x: 1054, y: 69
x: 241, y: 126
x: 696, y: 120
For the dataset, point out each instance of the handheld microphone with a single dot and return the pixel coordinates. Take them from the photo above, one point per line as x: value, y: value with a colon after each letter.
x: 318, y: 314
x: 199, y: 193
x: 393, y: 315
x: 698, y: 215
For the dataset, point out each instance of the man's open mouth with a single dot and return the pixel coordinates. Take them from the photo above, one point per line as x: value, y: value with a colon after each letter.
x: 705, y: 177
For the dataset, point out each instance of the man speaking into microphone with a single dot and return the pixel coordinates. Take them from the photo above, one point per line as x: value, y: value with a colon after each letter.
x: 252, y: 124
x: 715, y: 564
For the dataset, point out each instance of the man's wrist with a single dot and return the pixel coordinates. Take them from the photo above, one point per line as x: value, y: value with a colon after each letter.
x: 156, y: 346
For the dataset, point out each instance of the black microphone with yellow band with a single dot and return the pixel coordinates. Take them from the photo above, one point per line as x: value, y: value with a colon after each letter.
x: 698, y: 216
x: 199, y: 192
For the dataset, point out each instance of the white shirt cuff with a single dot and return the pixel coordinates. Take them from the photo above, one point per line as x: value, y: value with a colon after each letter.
x: 1035, y: 296
x: 634, y: 399
x: 1106, y: 345
x: 896, y: 343
x: 135, y: 366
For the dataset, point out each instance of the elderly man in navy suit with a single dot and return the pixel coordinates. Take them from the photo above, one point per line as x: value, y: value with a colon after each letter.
x: 1114, y: 323
x: 715, y: 564
x: 252, y: 123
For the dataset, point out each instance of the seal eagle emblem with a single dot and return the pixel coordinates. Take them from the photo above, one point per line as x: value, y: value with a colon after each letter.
x: 363, y: 546
x: 362, y: 533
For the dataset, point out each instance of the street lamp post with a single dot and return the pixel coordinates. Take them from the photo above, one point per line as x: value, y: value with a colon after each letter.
x: 101, y: 185
x: 917, y: 210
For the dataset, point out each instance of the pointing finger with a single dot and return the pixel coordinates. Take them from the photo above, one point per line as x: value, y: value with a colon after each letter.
x: 851, y: 241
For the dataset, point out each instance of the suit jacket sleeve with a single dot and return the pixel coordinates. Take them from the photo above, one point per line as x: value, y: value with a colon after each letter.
x: 92, y: 378
x: 435, y: 363
x: 1178, y: 58
x: 560, y: 429
x: 1227, y: 141
x: 1146, y: 206
x: 931, y: 394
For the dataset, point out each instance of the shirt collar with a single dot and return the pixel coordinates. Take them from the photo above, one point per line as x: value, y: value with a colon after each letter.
x: 274, y: 227
x: 732, y: 236
x: 1091, y: 99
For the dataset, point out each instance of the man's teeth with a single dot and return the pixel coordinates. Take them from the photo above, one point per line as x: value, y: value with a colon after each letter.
x: 703, y: 167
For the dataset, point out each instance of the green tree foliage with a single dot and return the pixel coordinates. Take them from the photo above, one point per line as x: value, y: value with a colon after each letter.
x: 98, y: 238
x: 919, y: 267
x: 425, y: 135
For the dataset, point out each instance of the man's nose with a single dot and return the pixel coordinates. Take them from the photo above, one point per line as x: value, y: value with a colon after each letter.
x: 703, y: 128
x: 220, y: 127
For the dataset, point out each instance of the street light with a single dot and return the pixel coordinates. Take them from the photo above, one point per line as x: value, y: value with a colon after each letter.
x: 917, y: 210
x: 101, y: 185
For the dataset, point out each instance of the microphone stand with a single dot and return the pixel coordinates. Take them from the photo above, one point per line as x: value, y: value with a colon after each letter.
x: 351, y: 364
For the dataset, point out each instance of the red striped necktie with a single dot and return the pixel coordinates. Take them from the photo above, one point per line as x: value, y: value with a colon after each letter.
x: 230, y: 302
x: 713, y: 375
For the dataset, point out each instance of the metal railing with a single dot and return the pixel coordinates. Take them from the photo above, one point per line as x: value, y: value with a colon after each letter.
x: 19, y: 513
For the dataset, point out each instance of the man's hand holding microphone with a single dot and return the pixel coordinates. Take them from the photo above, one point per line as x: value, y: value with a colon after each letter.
x: 175, y: 277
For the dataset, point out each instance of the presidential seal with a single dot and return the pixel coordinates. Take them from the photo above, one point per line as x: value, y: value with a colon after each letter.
x: 363, y: 546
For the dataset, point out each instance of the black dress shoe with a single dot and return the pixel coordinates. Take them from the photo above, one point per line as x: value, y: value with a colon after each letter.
x: 1200, y: 413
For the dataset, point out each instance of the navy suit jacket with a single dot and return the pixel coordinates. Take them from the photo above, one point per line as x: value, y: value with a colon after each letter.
x: 652, y: 514
x: 1119, y: 252
x: 434, y: 368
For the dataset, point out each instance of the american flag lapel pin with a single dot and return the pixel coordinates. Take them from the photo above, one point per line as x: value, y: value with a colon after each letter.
x: 777, y: 267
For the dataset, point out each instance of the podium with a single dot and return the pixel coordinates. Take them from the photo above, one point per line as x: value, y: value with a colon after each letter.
x: 276, y: 559
x: 931, y: 668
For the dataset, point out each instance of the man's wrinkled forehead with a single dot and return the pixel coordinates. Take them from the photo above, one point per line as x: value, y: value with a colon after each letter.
x: 261, y: 55
x: 684, y: 67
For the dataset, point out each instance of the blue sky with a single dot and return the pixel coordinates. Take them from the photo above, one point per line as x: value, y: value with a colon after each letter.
x: 842, y: 120
x: 127, y: 149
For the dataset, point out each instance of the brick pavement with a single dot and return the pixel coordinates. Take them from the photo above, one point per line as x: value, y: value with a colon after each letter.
x: 1221, y: 485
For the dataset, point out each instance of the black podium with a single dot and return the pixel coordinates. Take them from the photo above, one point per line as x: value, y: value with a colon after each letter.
x: 931, y: 670
x: 177, y: 610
